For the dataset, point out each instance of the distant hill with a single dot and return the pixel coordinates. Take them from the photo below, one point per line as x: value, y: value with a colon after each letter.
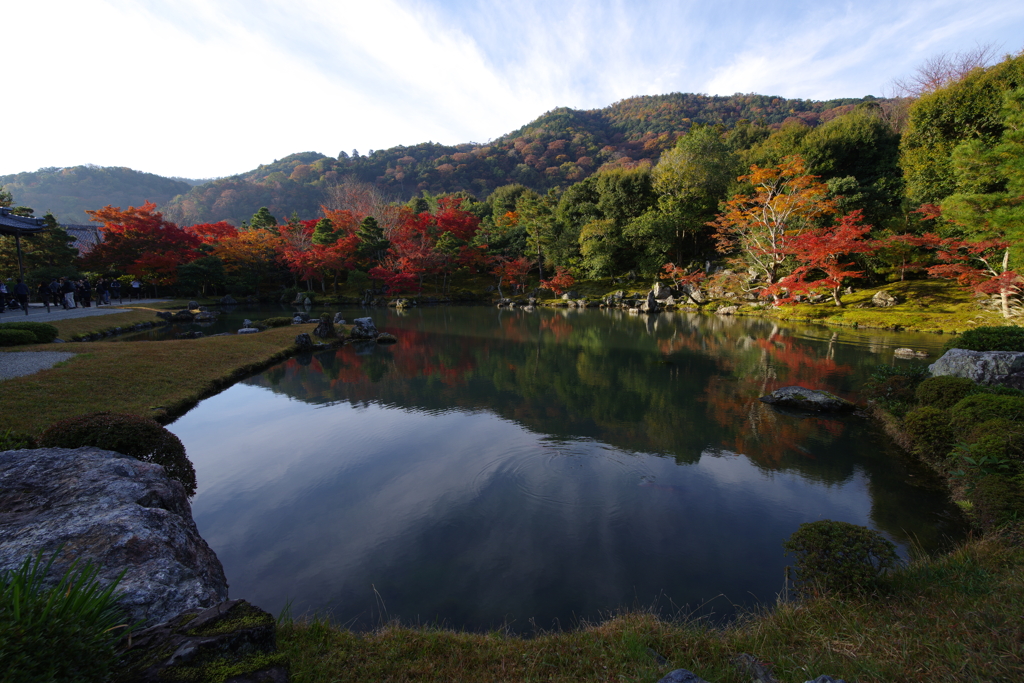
x: 68, y: 192
x: 561, y: 147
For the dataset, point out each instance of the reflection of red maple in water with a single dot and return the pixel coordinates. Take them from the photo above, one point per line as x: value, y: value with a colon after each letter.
x: 759, y: 432
x: 415, y: 356
x: 558, y: 326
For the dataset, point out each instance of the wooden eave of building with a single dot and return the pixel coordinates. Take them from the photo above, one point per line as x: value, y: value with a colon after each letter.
x: 19, y: 225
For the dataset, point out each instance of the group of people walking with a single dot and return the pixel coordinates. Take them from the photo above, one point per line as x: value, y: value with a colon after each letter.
x: 69, y: 293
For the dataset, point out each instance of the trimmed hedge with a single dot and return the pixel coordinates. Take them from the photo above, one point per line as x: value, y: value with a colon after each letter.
x: 945, y: 391
x: 44, y: 333
x: 966, y: 414
x: 131, y: 435
x: 928, y: 427
x: 16, y: 337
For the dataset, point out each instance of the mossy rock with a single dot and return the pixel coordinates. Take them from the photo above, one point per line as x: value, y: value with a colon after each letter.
x: 231, y: 641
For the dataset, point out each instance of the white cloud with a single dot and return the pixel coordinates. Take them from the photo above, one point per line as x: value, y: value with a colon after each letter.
x: 215, y: 87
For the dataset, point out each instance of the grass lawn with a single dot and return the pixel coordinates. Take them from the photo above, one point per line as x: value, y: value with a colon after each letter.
x: 155, y: 379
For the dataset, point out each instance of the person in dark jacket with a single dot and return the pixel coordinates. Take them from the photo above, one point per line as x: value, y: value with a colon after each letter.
x: 21, y: 294
x: 43, y: 291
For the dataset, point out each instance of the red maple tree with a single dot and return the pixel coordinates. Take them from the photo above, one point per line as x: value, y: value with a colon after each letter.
x: 820, y: 254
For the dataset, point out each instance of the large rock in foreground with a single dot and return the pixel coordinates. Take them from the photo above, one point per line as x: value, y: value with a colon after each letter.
x: 811, y: 400
x: 984, y: 367
x: 120, y: 513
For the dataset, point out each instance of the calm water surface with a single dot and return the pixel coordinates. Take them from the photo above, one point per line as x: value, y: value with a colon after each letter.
x: 538, y: 469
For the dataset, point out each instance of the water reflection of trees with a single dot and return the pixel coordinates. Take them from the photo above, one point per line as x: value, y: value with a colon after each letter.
x: 676, y: 384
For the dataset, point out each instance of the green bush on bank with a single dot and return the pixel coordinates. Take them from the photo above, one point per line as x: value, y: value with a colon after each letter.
x: 945, y: 391
x: 43, y: 333
x: 1001, y: 338
x: 130, y: 435
x: 977, y: 408
x: 16, y: 337
x: 839, y: 557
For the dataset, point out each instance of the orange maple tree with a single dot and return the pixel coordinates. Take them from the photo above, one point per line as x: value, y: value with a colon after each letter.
x: 762, y: 225
x: 138, y: 241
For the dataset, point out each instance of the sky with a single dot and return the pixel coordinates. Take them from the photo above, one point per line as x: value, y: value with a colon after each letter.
x: 209, y: 88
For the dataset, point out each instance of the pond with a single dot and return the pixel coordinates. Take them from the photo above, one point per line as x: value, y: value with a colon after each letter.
x: 534, y: 470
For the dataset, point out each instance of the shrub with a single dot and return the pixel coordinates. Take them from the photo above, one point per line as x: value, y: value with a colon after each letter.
x: 276, y: 322
x: 978, y: 408
x: 130, y: 435
x: 997, y: 499
x: 945, y: 391
x: 928, y: 427
x: 893, y: 386
x: 44, y: 333
x: 838, y: 556
x: 16, y: 337
x: 64, y: 632
x: 1010, y: 435
x: 1002, y: 338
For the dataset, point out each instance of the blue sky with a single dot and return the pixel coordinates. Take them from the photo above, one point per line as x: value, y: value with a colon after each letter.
x: 203, y: 88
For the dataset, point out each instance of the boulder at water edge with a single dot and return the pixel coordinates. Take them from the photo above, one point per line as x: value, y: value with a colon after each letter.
x: 363, y: 328
x: 117, y: 511
x: 984, y: 367
x: 811, y: 400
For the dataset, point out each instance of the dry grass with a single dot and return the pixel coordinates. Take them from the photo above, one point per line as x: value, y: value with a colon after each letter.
x: 158, y: 380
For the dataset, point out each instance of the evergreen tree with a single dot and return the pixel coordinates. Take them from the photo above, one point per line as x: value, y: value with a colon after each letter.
x: 373, y: 245
x: 263, y: 220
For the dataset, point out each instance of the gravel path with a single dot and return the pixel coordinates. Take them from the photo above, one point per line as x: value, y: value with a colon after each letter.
x: 20, y: 363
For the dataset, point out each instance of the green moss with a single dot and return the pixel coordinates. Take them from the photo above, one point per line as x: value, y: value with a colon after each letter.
x: 241, y: 616
x: 218, y: 670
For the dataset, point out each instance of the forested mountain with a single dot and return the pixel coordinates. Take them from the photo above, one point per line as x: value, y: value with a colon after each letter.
x: 561, y: 147
x: 68, y: 192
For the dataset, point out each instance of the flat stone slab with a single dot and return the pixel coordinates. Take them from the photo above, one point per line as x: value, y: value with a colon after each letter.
x: 810, y: 400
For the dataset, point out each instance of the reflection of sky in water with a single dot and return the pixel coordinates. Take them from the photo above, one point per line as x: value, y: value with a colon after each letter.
x: 469, y: 518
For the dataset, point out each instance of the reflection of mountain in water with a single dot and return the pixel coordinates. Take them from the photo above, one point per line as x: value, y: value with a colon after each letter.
x: 681, y: 385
